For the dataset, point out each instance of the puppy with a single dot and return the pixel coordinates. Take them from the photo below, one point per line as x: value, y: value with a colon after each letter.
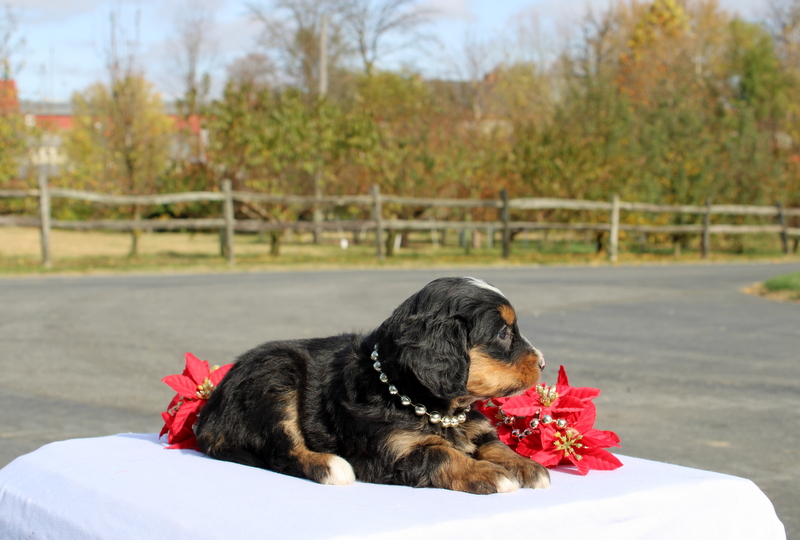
x: 388, y: 407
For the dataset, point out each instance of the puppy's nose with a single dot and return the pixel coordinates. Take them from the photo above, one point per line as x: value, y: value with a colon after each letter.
x: 542, y: 363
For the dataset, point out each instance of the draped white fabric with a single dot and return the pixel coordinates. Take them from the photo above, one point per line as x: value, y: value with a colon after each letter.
x: 128, y: 486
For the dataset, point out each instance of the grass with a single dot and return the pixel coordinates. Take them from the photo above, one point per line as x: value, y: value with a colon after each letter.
x: 107, y: 252
x: 784, y: 288
x: 786, y: 282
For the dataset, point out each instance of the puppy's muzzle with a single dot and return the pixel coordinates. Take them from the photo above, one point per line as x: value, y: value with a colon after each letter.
x: 539, y: 356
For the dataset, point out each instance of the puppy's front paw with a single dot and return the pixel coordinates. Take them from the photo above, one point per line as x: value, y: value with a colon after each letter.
x: 507, y: 485
x: 479, y: 477
x: 529, y: 473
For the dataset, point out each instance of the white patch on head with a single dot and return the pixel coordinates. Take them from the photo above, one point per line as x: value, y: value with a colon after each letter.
x: 483, y: 285
x: 340, y: 473
x: 507, y: 485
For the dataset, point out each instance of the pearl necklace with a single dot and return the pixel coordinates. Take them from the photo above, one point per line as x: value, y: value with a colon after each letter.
x: 433, y: 417
x: 532, y: 425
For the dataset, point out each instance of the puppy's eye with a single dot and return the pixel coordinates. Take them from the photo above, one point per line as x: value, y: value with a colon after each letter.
x: 505, y: 334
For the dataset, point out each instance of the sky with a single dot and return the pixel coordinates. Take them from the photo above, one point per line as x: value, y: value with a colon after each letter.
x: 65, y: 41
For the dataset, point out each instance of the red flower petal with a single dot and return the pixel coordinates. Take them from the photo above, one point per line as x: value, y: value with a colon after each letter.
x: 564, y: 389
x: 583, y: 394
x: 569, y: 404
x: 197, y: 369
x: 546, y: 458
x: 522, y: 406
x: 182, y: 385
x: 601, y: 439
x: 218, y: 374
x: 585, y: 419
x: 562, y: 377
x: 581, y: 464
x: 168, y: 419
x: 187, y: 414
x: 601, y: 460
x: 186, y: 444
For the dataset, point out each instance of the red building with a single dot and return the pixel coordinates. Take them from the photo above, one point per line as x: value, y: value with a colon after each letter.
x: 8, y: 97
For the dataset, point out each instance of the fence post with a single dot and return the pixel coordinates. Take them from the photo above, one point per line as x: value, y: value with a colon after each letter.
x: 44, y: 217
x: 613, y: 240
x: 784, y: 233
x: 706, y: 242
x: 377, y: 215
x: 230, y: 221
x: 505, y: 215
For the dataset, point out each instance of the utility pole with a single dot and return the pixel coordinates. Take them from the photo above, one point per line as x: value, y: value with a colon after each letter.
x: 323, y: 57
x: 323, y: 90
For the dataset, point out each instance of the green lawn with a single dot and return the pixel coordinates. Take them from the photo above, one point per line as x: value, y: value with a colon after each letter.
x: 786, y: 282
x: 107, y: 252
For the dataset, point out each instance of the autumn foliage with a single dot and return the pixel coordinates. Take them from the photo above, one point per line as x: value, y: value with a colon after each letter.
x: 664, y: 101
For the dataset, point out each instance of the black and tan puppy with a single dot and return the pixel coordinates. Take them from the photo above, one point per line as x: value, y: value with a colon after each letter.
x: 389, y: 407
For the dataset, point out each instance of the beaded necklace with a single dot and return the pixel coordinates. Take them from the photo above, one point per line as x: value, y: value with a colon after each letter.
x: 433, y: 417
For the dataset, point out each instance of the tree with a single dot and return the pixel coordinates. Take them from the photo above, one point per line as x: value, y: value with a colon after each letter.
x: 371, y: 24
x: 291, y: 34
x: 120, y: 141
x: 193, y: 53
x: 10, y: 43
x: 13, y: 133
x: 254, y: 69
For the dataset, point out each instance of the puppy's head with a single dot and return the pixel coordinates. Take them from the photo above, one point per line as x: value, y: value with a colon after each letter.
x: 459, y: 337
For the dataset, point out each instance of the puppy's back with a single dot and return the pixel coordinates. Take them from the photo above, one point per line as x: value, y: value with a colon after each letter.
x: 254, y: 416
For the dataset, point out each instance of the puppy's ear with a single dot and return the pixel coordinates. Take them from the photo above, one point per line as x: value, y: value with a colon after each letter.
x: 435, y: 351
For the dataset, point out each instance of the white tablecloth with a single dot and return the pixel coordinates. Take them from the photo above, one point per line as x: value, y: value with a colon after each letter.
x: 130, y: 487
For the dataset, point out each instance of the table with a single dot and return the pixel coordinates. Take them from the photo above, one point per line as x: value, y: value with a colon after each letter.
x: 129, y: 486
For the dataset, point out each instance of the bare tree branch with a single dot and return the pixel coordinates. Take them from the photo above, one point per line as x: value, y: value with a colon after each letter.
x: 194, y: 53
x: 291, y: 33
x: 10, y: 43
x: 371, y: 22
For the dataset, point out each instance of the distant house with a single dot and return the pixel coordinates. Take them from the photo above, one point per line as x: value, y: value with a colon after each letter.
x: 54, y: 118
x: 8, y: 96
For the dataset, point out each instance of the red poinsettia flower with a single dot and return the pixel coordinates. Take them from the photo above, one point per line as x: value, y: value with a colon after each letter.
x: 577, y: 444
x: 193, y: 388
x: 554, y: 426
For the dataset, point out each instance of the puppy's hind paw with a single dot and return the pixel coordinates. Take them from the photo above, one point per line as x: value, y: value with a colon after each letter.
x: 340, y: 472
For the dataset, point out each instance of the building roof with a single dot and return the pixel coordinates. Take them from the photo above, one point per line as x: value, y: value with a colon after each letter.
x: 58, y: 115
x: 46, y: 108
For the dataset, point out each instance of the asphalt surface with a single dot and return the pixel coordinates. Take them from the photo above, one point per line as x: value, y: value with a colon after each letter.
x: 692, y: 371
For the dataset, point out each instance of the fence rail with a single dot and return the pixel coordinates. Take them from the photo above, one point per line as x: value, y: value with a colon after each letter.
x: 375, y: 201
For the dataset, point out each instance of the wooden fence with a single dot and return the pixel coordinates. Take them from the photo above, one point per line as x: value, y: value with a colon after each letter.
x: 228, y: 224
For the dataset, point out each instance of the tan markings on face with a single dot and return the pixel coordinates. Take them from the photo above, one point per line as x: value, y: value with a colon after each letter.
x: 315, y: 465
x: 508, y: 314
x: 490, y: 377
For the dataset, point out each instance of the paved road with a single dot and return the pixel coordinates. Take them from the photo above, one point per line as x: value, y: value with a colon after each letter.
x: 692, y: 371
